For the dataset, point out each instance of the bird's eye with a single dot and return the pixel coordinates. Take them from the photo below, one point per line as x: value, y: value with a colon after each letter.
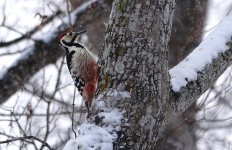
x: 70, y: 34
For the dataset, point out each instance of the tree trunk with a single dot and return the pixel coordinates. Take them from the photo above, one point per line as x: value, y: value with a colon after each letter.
x: 187, y: 31
x: 136, y: 61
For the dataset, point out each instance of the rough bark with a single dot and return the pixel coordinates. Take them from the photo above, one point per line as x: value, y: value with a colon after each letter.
x: 135, y: 60
x: 180, y: 133
x: 187, y: 31
x: 193, y: 90
x: 49, y: 52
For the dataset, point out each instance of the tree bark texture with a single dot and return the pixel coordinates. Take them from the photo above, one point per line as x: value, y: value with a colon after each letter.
x: 135, y: 60
x: 187, y: 31
x: 193, y: 90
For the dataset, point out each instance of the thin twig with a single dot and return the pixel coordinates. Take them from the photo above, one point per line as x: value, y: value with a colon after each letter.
x: 57, y: 8
x: 33, y: 31
x: 47, y: 123
x: 12, y: 53
x: 4, y: 12
x: 10, y: 28
x: 73, y: 112
x: 77, y: 111
x: 68, y: 10
x: 25, y: 139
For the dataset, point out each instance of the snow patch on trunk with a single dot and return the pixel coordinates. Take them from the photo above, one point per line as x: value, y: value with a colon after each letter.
x: 101, y: 136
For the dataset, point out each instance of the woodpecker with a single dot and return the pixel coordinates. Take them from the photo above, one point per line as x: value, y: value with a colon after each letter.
x: 82, y: 65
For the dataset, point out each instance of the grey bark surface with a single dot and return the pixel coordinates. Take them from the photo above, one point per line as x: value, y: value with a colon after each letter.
x: 193, y: 90
x: 187, y: 30
x: 135, y: 60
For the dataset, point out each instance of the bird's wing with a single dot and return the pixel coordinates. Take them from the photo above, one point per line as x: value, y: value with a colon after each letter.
x: 78, y: 81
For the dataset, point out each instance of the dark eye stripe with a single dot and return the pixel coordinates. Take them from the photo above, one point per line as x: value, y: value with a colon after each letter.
x: 72, y: 44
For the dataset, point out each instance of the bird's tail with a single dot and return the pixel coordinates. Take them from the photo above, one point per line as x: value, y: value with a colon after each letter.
x: 89, y: 93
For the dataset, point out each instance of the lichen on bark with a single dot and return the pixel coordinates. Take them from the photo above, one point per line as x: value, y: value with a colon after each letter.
x: 135, y: 60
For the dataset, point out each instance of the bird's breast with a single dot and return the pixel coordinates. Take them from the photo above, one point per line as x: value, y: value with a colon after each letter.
x: 84, y: 66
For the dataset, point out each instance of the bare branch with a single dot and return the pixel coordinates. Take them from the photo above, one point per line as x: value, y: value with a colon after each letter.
x: 33, y: 31
x: 12, y: 29
x: 77, y: 111
x: 73, y: 109
x: 194, y: 89
x: 47, y: 124
x: 46, y: 53
x: 25, y: 138
x: 68, y: 10
x: 4, y: 12
x: 12, y: 53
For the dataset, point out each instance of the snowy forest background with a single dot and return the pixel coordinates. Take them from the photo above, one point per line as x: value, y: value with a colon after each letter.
x: 39, y: 103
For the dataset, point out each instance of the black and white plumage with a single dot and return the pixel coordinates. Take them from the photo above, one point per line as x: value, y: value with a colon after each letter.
x: 82, y: 65
x: 79, y: 83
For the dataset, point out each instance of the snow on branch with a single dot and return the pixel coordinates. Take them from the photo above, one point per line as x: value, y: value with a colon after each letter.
x: 200, y: 69
x: 210, y: 48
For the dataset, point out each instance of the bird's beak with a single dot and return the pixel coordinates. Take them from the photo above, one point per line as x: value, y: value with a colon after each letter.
x: 80, y: 32
x: 77, y: 34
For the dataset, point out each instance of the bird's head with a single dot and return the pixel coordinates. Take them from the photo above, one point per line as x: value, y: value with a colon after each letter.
x: 69, y: 39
